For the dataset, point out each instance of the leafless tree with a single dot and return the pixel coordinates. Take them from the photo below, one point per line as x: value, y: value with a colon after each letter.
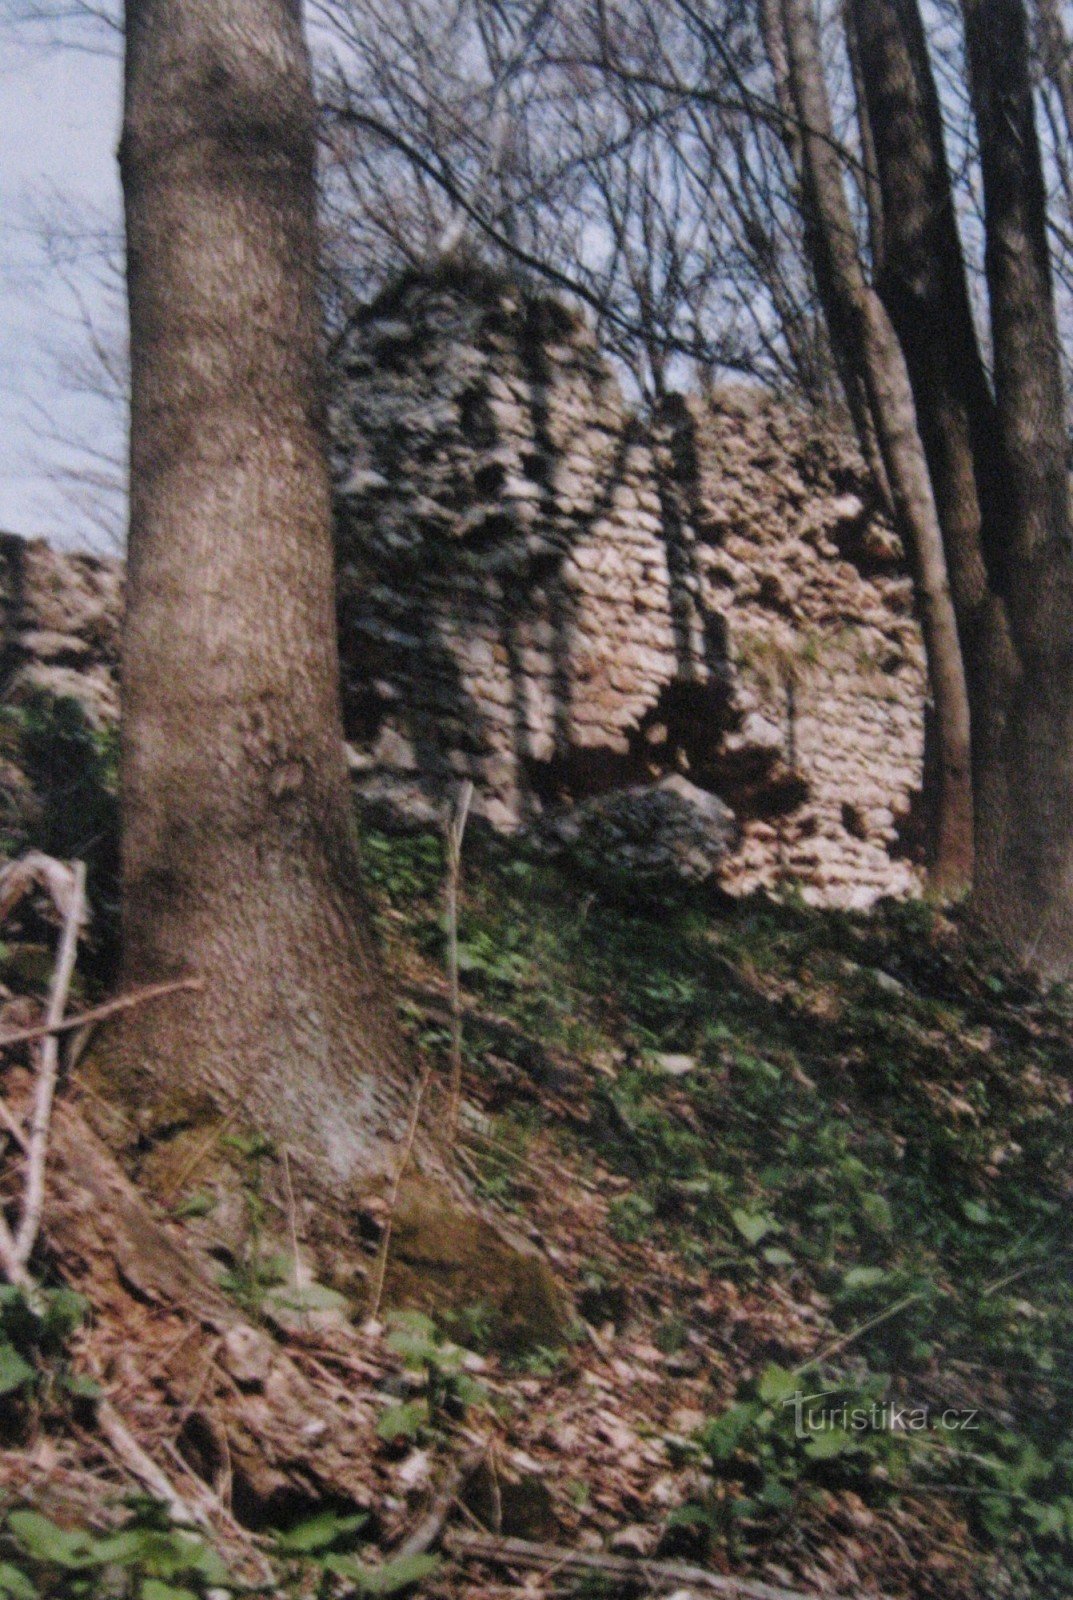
x: 872, y: 358
x: 80, y: 435
x: 578, y: 144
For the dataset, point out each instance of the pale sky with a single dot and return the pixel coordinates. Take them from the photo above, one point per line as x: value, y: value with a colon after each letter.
x: 59, y: 124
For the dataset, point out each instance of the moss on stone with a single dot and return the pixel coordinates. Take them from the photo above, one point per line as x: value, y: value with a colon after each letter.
x: 446, y: 1257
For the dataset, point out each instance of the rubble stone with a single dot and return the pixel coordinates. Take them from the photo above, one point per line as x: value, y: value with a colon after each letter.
x: 542, y: 593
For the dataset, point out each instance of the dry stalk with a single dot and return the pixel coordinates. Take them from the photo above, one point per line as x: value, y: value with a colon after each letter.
x: 108, y: 1008
x: 380, y: 1270
x: 651, y: 1577
x: 48, y: 1072
x: 292, y: 1222
x: 11, y: 1126
x: 456, y: 828
x: 67, y: 886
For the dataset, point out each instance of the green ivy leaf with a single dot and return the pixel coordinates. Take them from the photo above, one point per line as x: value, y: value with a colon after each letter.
x: 313, y: 1297
x: 394, y: 1576
x: 155, y: 1589
x: 43, y: 1540
x: 15, y: 1373
x: 777, y: 1384
x: 690, y: 1517
x: 81, y: 1386
x: 403, y: 1422
x: 775, y: 1496
x: 875, y: 1208
x: 469, y: 1391
x: 122, y: 1549
x: 14, y: 1584
x: 318, y: 1533
x: 864, y: 1277
x: 753, y: 1225
x: 723, y: 1436
x: 64, y: 1313
x: 832, y: 1442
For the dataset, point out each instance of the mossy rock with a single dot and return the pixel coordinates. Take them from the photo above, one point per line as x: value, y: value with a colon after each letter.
x: 517, y: 1505
x: 29, y: 966
x: 445, y: 1258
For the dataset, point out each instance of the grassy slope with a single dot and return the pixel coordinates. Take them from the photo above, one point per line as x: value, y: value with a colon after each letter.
x: 876, y: 1130
x: 860, y: 1184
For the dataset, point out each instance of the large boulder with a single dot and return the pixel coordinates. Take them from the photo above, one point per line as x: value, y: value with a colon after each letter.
x: 647, y: 837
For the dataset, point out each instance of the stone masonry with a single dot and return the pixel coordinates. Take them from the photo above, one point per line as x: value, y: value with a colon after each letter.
x: 540, y: 593
x: 59, y: 625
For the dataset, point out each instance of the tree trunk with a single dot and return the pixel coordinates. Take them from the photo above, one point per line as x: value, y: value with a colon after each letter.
x: 239, y: 856
x: 869, y: 181
x: 1025, y: 884
x: 923, y: 287
x: 1056, y: 55
x: 847, y: 367
x: 860, y: 324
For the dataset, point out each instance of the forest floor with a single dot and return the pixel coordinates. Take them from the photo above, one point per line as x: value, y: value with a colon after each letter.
x: 769, y: 1152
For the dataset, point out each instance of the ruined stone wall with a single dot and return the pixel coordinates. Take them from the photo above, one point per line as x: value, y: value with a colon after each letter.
x: 59, y: 625
x: 822, y: 640
x: 541, y: 594
x: 509, y: 611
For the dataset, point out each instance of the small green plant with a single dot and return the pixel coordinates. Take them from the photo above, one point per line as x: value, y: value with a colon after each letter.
x: 474, y: 1326
x: 326, y: 1545
x: 630, y: 1217
x: 448, y: 1388
x: 500, y: 1157
x: 405, y: 868
x: 254, y: 1272
x: 34, y: 1333
x: 541, y: 1362
x: 74, y: 814
x: 671, y: 1335
x: 762, y: 1456
x: 145, y: 1559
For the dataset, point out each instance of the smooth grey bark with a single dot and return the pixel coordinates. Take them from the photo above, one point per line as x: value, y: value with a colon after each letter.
x: 865, y: 332
x: 239, y: 856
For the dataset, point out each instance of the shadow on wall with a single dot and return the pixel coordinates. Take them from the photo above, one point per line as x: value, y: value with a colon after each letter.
x: 518, y: 593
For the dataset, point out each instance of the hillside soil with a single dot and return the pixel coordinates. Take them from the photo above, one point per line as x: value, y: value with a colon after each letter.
x: 767, y: 1152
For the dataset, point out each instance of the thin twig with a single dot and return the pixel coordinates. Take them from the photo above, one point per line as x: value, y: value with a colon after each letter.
x: 141, y: 1465
x: 855, y: 1333
x: 292, y: 1221
x: 11, y: 1125
x: 658, y: 1576
x: 48, y: 1072
x: 380, y: 1270
x: 456, y: 828
x: 429, y: 1529
x: 108, y: 1008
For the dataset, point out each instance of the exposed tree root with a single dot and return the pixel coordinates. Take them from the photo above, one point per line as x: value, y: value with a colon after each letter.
x: 266, y: 1434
